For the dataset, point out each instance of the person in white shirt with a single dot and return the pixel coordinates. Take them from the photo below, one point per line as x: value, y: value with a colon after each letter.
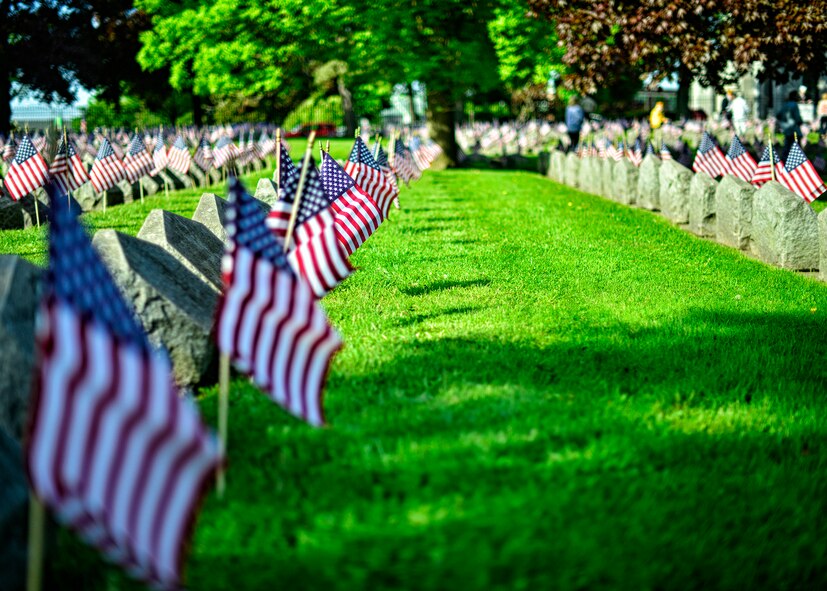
x: 739, y: 112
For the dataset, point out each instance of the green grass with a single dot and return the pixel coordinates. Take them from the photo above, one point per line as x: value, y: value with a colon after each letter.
x: 540, y: 389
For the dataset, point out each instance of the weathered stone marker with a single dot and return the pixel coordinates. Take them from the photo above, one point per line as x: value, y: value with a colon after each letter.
x: 784, y: 228
x: 174, y: 306
x: 20, y: 289
x: 607, y: 169
x: 211, y: 213
x: 734, y: 212
x: 648, y: 184
x: 675, y: 181
x: 572, y: 171
x: 266, y: 192
x: 14, y: 511
x: 558, y: 166
x: 190, y: 242
x: 586, y: 178
x: 702, y: 195
x: 626, y: 182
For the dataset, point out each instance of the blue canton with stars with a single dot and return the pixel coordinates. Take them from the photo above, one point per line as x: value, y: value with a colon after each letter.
x: 247, y: 227
x: 736, y: 148
x: 66, y: 150
x: 136, y: 146
x: 105, y: 150
x: 649, y: 148
x: 179, y: 144
x: 25, y: 151
x: 336, y: 181
x: 361, y: 155
x: 706, y: 144
x: 795, y: 158
x: 77, y: 277
x: 313, y: 199
x: 765, y: 157
x: 381, y: 157
x: 400, y: 146
x: 286, y: 168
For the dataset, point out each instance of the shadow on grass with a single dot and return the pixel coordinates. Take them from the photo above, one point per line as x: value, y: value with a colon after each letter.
x: 443, y: 286
x: 417, y: 318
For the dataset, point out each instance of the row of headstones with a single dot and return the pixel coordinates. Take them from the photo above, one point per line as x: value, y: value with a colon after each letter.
x: 171, y: 274
x: 772, y: 222
x: 15, y: 215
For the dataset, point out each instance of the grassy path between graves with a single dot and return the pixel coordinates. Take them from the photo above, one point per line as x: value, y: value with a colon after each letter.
x: 540, y: 389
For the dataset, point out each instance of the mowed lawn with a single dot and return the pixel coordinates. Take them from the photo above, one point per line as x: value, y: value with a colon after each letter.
x: 540, y: 389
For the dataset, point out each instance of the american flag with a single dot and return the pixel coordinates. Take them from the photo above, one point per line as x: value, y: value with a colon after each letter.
x: 27, y: 172
x: 384, y: 166
x: 316, y: 253
x: 269, y: 323
x: 739, y: 163
x: 801, y: 177
x: 113, y: 449
x: 621, y: 151
x: 636, y: 154
x: 763, y: 172
x: 203, y: 155
x: 709, y: 158
x: 178, y: 157
x: 403, y: 164
x: 665, y: 154
x: 107, y: 169
x: 137, y: 163
x: 267, y: 145
x: 9, y: 151
x: 650, y: 149
x: 357, y: 215
x: 159, y: 154
x: 225, y: 152
x: 67, y: 169
x: 368, y: 175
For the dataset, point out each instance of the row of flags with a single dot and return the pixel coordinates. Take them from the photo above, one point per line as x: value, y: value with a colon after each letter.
x: 798, y: 174
x: 113, y: 449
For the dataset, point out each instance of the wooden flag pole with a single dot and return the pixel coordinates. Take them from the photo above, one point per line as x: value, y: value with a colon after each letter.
x: 772, y: 158
x: 377, y: 139
x: 66, y: 147
x: 104, y: 200
x: 36, y: 209
x: 391, y: 150
x: 294, y: 213
x: 327, y: 149
x: 223, y: 411
x: 37, y: 526
x: 278, y: 161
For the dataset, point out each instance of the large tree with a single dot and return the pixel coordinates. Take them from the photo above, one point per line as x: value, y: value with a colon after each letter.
x: 712, y: 40
x: 37, y: 54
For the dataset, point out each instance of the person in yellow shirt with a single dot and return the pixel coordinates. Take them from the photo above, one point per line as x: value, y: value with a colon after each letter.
x: 656, y: 116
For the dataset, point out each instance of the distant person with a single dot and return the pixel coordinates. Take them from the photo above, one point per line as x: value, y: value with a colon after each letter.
x: 574, y: 122
x: 656, y: 116
x: 789, y: 123
x: 725, y: 114
x: 739, y: 113
x: 821, y: 112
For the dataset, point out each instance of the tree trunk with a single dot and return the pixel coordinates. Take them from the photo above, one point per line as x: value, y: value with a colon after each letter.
x: 441, y: 123
x: 197, y: 110
x: 684, y: 84
x: 347, y: 107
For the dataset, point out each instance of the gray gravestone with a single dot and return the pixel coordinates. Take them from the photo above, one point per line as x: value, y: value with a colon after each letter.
x: 572, y: 170
x: 266, y: 192
x: 174, y: 306
x: 181, y: 180
x: 190, y: 242
x: 607, y: 188
x: 675, y: 180
x: 211, y: 212
x: 585, y: 175
x: 150, y: 186
x: 14, y: 515
x: 20, y: 289
x: 822, y: 240
x: 734, y: 214
x: 784, y: 228
x: 558, y: 166
x: 215, y: 176
x: 11, y: 214
x: 702, y: 192
x: 626, y: 182
x: 648, y: 184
